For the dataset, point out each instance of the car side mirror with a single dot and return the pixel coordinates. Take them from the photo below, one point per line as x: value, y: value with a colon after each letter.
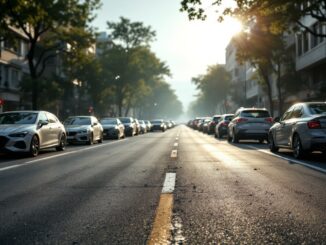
x: 42, y: 123
x: 277, y: 119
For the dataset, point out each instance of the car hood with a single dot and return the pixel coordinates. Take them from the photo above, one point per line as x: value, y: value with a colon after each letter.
x: 77, y: 127
x: 6, y: 129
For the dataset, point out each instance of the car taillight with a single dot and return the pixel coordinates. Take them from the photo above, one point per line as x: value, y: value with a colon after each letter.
x: 269, y: 119
x: 314, y: 124
x: 224, y: 123
x: 240, y: 120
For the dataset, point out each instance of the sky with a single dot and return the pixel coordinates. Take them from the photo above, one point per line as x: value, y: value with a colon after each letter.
x: 187, y: 47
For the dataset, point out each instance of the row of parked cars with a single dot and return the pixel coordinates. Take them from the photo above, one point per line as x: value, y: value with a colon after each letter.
x: 302, y: 127
x: 31, y: 131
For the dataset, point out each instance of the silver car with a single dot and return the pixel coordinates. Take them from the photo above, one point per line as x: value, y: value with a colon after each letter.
x: 302, y: 128
x: 113, y: 128
x: 85, y: 129
x: 30, y: 131
x: 249, y: 123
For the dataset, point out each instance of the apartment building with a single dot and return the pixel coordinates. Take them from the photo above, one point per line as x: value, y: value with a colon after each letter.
x: 13, y: 66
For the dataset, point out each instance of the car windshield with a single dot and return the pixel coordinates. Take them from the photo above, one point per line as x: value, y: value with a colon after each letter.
x: 125, y: 120
x: 18, y: 118
x: 78, y: 121
x: 317, y: 109
x: 109, y: 121
x: 228, y: 118
x: 255, y: 114
x: 216, y: 119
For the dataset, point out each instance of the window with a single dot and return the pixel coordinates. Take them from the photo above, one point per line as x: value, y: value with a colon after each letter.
x: 287, y: 114
x: 314, y: 38
x: 42, y: 117
x: 52, y: 118
x: 299, y: 46
x: 297, y: 112
x: 305, y: 42
x: 15, y: 78
x: 13, y: 45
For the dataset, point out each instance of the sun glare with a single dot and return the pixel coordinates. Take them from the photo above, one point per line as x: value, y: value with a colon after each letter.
x: 232, y: 26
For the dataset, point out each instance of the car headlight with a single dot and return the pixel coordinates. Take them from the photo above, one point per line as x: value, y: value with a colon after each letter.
x: 19, y: 134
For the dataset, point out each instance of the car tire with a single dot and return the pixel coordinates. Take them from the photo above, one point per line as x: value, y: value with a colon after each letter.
x: 298, y: 151
x: 215, y: 135
x: 235, y: 138
x: 271, y: 143
x: 219, y: 135
x: 101, y: 139
x: 229, y: 137
x: 91, y: 140
x: 62, y: 143
x: 34, y: 146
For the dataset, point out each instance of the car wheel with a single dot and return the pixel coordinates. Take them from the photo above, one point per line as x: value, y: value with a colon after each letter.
x: 298, y: 151
x: 34, y: 147
x: 229, y: 137
x: 62, y: 143
x: 91, y: 140
x: 101, y: 139
x: 215, y: 135
x: 235, y: 138
x: 271, y: 143
x: 219, y: 135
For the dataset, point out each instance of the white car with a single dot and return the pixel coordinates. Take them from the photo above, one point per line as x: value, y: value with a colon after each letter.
x: 30, y: 131
x: 85, y: 129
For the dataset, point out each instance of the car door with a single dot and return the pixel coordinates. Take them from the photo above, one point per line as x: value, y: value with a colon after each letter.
x: 280, y: 131
x: 44, y: 130
x: 292, y: 122
x: 54, y: 129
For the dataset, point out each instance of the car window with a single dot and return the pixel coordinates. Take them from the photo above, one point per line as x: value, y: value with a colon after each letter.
x: 255, y: 114
x: 43, y: 117
x: 125, y: 120
x: 78, y: 121
x: 297, y: 112
x: 228, y: 118
x: 52, y: 118
x: 287, y: 114
x: 216, y: 119
x: 112, y: 121
x: 18, y: 118
x: 317, y: 109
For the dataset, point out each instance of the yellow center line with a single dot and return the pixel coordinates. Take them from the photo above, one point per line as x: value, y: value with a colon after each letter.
x: 161, y: 232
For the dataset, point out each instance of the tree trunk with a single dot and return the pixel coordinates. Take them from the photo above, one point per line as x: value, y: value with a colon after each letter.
x: 33, y: 74
x: 279, y: 90
x: 264, y: 74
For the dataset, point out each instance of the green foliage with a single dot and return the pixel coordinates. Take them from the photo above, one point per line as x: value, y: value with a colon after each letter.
x: 213, y: 88
x: 49, y: 25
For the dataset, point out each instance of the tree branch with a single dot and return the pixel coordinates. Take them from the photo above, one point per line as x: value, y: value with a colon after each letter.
x: 310, y: 30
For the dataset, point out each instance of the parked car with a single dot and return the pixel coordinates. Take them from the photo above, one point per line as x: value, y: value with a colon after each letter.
x: 205, y: 125
x: 158, y: 125
x: 149, y: 125
x: 30, y: 131
x: 168, y: 124
x: 250, y: 123
x: 112, y: 128
x: 221, y: 129
x: 143, y: 127
x: 138, y: 127
x: 213, y: 123
x: 130, y: 125
x: 83, y: 129
x: 302, y: 128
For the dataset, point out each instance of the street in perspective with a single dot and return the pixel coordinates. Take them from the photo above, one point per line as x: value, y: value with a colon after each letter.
x: 174, y: 122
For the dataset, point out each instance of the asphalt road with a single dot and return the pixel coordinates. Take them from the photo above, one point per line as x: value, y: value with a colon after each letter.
x: 109, y: 193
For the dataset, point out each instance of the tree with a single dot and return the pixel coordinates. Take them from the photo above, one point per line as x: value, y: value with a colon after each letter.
x: 129, y: 66
x: 286, y: 14
x: 213, y: 88
x: 53, y: 27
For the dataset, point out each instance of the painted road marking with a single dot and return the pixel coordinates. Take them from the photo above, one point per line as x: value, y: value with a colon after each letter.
x: 288, y: 159
x: 169, y: 183
x: 177, y: 138
x: 175, y: 144
x: 60, y: 155
x: 161, y: 232
x: 174, y: 154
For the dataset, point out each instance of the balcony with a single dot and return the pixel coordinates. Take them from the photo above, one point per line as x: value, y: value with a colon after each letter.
x: 312, y: 57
